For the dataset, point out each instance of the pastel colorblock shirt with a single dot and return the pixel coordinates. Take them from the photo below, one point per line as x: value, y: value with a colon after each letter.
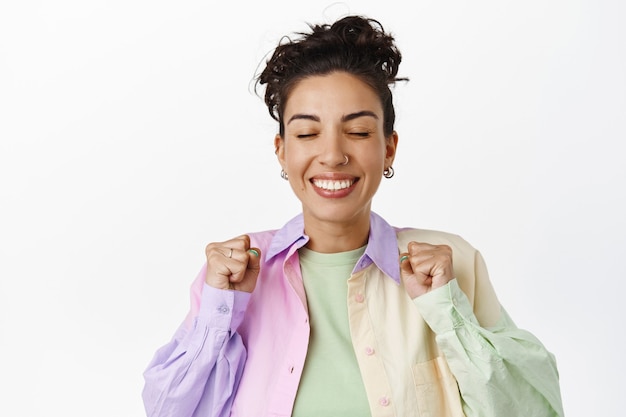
x: 451, y: 352
x: 331, y: 383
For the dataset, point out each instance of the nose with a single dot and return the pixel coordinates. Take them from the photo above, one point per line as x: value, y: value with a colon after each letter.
x: 333, y: 152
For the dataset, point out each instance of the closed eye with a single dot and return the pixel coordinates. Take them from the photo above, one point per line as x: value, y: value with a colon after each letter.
x: 360, y: 134
x: 306, y: 135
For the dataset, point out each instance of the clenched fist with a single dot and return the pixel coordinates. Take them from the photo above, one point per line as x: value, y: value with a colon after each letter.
x: 233, y: 264
x: 425, y: 267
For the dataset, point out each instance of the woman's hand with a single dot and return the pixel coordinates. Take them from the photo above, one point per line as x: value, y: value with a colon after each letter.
x: 233, y: 264
x: 425, y: 267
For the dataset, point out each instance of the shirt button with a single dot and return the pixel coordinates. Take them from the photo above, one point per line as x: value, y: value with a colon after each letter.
x: 369, y: 351
x: 223, y: 309
x: 359, y: 298
x: 384, y: 401
x: 291, y: 369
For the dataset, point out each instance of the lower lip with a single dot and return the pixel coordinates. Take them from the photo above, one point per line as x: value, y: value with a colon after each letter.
x: 334, y: 193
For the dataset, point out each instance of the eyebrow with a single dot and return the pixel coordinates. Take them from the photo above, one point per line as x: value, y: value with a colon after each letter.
x: 358, y: 114
x: 346, y: 118
x: 300, y: 116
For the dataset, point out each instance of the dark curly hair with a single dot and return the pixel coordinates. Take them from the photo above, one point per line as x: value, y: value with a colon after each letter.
x: 354, y: 44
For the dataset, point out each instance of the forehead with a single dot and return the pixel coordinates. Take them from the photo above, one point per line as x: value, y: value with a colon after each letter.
x: 335, y: 93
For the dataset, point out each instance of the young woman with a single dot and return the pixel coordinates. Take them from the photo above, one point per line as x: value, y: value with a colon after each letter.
x: 338, y: 313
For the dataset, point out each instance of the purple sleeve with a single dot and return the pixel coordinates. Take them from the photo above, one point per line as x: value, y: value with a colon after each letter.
x: 198, y: 371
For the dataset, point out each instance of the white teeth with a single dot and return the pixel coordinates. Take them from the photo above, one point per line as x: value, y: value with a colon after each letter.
x: 332, y: 185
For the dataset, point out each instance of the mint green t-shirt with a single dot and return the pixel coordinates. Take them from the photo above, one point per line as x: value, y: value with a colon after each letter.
x: 331, y: 383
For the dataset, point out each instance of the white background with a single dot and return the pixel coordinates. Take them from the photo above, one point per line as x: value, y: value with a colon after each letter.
x: 130, y: 137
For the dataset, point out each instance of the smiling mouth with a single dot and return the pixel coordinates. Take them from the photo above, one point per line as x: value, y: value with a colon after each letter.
x: 333, y: 185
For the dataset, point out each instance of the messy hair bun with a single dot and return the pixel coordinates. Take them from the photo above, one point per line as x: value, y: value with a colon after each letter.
x: 353, y: 44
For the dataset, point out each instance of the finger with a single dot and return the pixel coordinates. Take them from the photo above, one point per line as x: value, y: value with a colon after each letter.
x: 228, y: 249
x: 416, y: 262
x: 244, y: 263
x: 220, y: 268
x: 405, y: 264
x: 240, y: 242
x: 254, y: 259
x: 226, y: 260
x: 246, y: 281
x: 242, y: 257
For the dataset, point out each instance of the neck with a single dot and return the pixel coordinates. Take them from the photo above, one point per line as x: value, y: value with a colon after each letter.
x: 333, y: 237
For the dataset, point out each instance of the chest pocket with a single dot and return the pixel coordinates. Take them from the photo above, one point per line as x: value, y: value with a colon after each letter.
x: 436, y: 389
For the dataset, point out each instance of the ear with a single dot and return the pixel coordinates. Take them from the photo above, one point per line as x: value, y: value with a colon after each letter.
x: 391, y: 144
x: 279, y: 149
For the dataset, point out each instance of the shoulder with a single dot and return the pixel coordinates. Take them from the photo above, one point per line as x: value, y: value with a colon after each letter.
x: 262, y: 239
x: 434, y: 237
x: 463, y: 253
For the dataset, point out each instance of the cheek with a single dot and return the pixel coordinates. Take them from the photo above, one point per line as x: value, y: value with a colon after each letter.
x: 296, y: 158
x: 375, y: 159
x: 294, y: 163
x: 296, y: 168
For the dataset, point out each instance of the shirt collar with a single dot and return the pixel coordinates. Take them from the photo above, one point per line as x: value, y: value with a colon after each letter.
x: 382, y: 245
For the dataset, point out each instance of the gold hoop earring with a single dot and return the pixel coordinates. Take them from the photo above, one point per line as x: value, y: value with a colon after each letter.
x: 388, y: 172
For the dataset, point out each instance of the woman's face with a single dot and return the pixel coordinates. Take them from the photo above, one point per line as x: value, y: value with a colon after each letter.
x: 328, y: 118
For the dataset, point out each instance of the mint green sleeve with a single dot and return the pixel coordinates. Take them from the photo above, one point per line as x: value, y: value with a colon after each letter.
x: 501, y: 370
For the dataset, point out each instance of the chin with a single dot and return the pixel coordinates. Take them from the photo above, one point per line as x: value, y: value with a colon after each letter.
x: 334, y: 213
